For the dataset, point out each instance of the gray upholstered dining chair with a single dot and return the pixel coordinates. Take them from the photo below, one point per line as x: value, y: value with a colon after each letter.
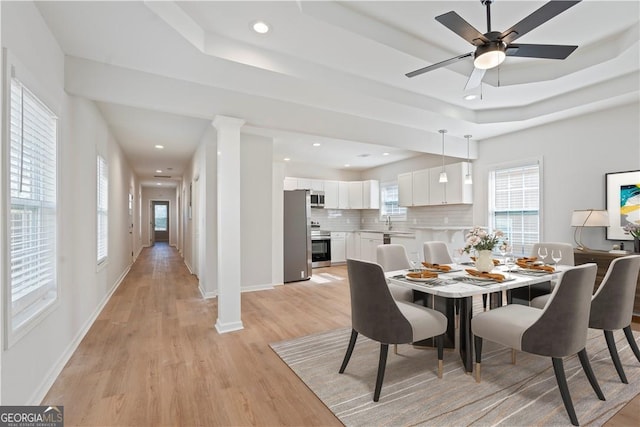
x: 557, y: 331
x: 394, y: 257
x: 376, y: 315
x: 565, y: 248
x: 612, y: 306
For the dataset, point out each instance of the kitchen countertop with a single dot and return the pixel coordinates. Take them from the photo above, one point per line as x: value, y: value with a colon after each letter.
x: 443, y: 227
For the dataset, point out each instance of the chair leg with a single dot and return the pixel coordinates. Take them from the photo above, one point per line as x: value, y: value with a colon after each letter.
x: 611, y: 343
x: 632, y: 341
x: 513, y: 356
x: 440, y: 343
x: 558, y: 369
x: 478, y: 347
x: 484, y: 302
x: 586, y: 366
x: 384, y: 348
x: 347, y: 356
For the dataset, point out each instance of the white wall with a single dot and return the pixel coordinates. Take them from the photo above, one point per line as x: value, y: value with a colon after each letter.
x: 150, y: 194
x: 31, y: 365
x: 576, y: 155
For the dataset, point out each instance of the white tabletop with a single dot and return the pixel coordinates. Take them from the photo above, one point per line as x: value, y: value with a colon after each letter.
x: 449, y: 288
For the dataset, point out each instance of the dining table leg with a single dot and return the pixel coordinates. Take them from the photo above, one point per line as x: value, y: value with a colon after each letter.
x: 466, y: 337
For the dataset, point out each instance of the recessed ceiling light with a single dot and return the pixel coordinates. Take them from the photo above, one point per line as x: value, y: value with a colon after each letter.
x: 316, y: 144
x: 158, y: 171
x: 260, y: 27
x: 158, y: 183
x: 286, y: 159
x: 347, y: 165
x: 470, y: 97
x: 385, y: 154
x: 159, y: 147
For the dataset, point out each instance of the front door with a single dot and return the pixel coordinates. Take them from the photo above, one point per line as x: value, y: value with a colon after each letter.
x: 160, y: 221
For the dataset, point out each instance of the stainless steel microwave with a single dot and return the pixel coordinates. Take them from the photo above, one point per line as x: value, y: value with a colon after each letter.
x: 317, y: 199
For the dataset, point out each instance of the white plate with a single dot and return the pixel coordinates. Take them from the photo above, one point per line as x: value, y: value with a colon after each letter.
x: 419, y: 279
x: 536, y: 270
x: 435, y: 270
x: 482, y: 279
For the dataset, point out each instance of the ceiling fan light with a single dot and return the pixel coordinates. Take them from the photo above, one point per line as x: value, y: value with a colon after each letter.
x: 489, y: 56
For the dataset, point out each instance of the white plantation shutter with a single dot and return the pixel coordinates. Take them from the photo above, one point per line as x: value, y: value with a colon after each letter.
x: 103, y: 210
x: 515, y: 205
x: 33, y: 216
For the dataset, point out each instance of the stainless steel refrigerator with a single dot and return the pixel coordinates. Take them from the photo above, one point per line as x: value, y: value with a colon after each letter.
x: 297, y: 235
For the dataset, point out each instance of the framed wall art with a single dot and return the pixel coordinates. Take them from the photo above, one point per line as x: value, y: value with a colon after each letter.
x: 623, y: 202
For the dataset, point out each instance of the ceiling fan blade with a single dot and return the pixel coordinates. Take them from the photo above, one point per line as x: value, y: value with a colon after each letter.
x: 536, y: 19
x: 455, y: 23
x: 475, y: 78
x: 548, y: 51
x: 438, y: 65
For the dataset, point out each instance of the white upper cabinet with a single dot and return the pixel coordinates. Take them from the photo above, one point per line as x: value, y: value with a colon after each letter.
x: 405, y: 189
x: 290, y: 184
x: 454, y: 191
x: 413, y: 188
x: 343, y: 195
x: 371, y: 194
x: 331, y: 194
x: 356, y: 200
x: 423, y: 187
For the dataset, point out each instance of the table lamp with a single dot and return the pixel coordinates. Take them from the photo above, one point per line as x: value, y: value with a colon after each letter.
x: 587, y: 218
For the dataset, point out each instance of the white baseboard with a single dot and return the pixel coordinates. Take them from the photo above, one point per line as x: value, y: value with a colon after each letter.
x: 228, y: 327
x: 254, y: 288
x: 207, y: 295
x: 52, y: 375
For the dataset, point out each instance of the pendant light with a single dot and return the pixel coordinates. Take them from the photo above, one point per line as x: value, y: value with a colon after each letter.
x: 467, y: 177
x: 443, y: 175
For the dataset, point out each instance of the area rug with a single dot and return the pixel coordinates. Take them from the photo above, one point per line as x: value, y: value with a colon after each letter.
x: 524, y: 394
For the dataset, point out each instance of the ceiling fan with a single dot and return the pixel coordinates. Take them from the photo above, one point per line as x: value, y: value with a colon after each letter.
x: 493, y: 47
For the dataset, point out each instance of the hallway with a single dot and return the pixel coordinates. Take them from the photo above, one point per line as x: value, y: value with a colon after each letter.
x: 153, y: 356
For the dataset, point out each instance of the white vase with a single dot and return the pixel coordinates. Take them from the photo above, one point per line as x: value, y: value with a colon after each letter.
x: 484, y: 261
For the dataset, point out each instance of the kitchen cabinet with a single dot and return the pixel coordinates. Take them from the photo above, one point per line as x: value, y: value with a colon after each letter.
x: 455, y: 191
x: 352, y: 245
x: 331, y: 194
x: 290, y: 184
x: 405, y: 189
x: 343, y: 195
x: 371, y: 194
x: 338, y: 248
x: 413, y: 188
x: 409, y: 242
x: 304, y: 184
x: 369, y: 244
x: 356, y: 201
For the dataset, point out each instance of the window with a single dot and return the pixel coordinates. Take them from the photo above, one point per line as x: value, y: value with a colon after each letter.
x: 33, y: 208
x: 103, y: 210
x: 389, y: 202
x: 515, y: 205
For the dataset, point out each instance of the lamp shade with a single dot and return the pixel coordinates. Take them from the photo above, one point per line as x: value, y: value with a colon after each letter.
x: 489, y: 55
x: 590, y: 218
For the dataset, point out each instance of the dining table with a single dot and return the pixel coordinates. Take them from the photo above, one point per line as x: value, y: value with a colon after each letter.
x: 458, y: 285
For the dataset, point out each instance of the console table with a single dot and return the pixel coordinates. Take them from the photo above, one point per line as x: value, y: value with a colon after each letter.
x: 603, y: 259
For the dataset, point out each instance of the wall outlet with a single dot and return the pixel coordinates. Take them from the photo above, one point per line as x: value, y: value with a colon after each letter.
x: 362, y: 221
x: 302, y: 274
x: 446, y: 220
x: 348, y: 221
x: 376, y: 220
x: 415, y: 221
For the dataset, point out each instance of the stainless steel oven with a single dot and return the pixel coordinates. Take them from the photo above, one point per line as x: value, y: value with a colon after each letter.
x: 320, y: 248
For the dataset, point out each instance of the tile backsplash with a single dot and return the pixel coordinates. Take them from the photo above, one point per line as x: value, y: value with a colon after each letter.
x: 424, y: 216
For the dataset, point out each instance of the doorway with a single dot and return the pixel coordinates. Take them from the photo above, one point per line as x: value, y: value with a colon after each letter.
x: 159, y: 222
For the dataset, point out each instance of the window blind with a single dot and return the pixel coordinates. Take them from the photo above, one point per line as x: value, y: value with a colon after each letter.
x: 32, y: 189
x: 102, y: 192
x: 515, y: 205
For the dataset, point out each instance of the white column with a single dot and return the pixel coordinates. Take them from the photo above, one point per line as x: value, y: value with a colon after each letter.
x: 228, y: 230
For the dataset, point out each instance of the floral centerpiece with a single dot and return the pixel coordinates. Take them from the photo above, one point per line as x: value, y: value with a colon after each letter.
x: 633, y: 229
x: 483, y: 242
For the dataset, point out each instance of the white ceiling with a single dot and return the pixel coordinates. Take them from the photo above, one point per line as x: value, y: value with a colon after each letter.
x: 333, y: 73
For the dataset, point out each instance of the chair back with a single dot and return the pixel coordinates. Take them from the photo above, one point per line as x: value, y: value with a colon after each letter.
x: 374, y: 313
x: 561, y: 329
x: 436, y: 253
x: 392, y: 257
x: 612, y: 304
x: 566, y: 248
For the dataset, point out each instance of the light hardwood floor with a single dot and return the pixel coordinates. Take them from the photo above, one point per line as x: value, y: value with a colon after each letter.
x: 154, y: 358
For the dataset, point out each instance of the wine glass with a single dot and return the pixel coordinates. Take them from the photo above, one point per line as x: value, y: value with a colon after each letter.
x: 455, y: 255
x: 556, y: 255
x: 542, y: 253
x: 510, y: 262
x: 414, y: 259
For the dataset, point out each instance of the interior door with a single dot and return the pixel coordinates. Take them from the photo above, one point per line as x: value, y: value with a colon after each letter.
x: 160, y: 221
